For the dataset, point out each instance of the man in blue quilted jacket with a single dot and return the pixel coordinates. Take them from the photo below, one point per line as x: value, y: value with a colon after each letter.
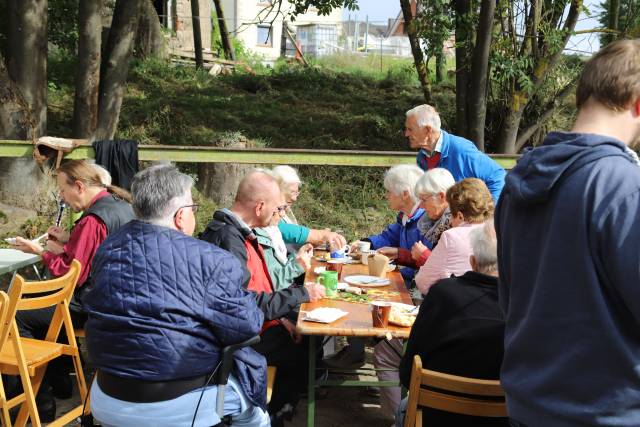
x: 439, y: 149
x: 162, y: 307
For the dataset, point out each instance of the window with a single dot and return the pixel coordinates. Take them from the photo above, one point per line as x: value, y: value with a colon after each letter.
x: 264, y: 35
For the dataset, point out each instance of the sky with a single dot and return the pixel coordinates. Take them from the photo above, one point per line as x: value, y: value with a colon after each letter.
x: 381, y: 10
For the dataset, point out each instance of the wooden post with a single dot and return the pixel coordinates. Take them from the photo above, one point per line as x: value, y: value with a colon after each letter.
x: 229, y: 53
x: 283, y: 40
x: 197, y: 35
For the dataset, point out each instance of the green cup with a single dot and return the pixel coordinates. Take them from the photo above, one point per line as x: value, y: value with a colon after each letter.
x: 329, y: 279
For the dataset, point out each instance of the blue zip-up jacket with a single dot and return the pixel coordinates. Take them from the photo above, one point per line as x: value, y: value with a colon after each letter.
x: 163, y: 305
x: 397, y: 235
x: 569, y: 262
x: 463, y: 159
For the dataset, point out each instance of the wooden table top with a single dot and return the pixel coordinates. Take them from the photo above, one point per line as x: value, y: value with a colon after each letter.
x: 358, y: 323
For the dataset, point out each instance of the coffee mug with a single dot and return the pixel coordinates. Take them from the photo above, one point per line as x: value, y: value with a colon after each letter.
x: 340, y: 253
x: 329, y: 279
x: 380, y: 311
x: 364, y: 247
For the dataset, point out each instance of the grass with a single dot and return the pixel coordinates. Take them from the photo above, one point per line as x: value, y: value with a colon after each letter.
x: 338, y: 103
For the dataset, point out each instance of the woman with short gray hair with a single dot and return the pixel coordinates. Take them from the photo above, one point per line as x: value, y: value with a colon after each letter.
x: 431, y: 189
x: 290, y: 183
x: 398, y: 238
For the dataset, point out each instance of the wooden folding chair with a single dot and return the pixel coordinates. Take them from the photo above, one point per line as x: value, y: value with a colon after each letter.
x: 28, y: 357
x: 451, y: 393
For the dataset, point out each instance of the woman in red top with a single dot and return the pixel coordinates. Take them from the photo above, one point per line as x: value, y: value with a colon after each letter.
x: 105, y: 208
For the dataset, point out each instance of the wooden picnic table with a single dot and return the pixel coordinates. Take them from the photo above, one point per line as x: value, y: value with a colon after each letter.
x: 358, y: 323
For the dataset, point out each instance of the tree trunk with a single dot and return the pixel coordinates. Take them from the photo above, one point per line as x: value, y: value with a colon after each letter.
x: 149, y: 39
x: 197, y: 34
x: 14, y: 112
x: 27, y: 53
x: 463, y: 40
x: 510, y: 125
x: 229, y: 53
x: 441, y: 66
x: 614, y: 17
x: 85, y: 105
x: 219, y: 181
x: 418, y: 58
x: 16, y: 175
x: 479, y: 74
x: 115, y: 65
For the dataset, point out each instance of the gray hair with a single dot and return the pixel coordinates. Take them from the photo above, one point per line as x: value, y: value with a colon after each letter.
x: 484, y: 245
x: 158, y: 192
x: 403, y: 178
x: 425, y: 115
x: 286, y: 175
x: 434, y: 181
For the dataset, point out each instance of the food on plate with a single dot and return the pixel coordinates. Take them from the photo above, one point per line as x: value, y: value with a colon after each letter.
x: 355, y: 290
x: 398, y: 317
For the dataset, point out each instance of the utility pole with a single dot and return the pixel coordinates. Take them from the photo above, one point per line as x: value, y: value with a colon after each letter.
x: 197, y: 34
x: 229, y: 53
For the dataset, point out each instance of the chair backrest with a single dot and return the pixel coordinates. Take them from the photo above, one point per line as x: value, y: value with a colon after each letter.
x: 452, y: 393
x: 4, y: 310
x: 55, y: 292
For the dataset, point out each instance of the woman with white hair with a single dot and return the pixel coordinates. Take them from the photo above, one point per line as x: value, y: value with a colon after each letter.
x: 290, y: 183
x: 398, y: 238
x: 431, y: 189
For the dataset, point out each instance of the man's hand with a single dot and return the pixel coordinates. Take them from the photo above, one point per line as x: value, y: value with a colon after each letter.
x: 58, y: 234
x: 388, y: 251
x: 291, y: 328
x: 303, y: 258
x: 316, y: 292
x: 28, y: 246
x: 417, y: 249
x: 54, y: 247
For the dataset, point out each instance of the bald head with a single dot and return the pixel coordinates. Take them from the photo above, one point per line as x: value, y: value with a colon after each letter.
x: 257, y: 198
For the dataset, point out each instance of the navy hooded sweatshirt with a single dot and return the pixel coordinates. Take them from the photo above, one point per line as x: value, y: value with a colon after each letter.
x: 569, y: 260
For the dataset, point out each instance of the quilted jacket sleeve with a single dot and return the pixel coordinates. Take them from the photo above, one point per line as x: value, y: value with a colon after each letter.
x: 233, y: 312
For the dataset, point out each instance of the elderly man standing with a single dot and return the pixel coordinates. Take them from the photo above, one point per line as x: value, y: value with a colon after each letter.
x: 258, y: 198
x: 439, y: 149
x: 162, y: 307
x: 568, y: 245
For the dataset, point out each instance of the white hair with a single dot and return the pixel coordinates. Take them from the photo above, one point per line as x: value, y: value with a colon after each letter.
x: 425, y: 115
x: 484, y: 245
x: 286, y: 175
x: 403, y: 178
x: 434, y: 181
x: 105, y: 176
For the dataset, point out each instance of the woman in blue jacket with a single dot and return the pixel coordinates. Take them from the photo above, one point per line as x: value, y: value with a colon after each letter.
x: 396, y: 240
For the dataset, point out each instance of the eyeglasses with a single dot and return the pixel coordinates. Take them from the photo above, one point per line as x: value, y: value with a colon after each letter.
x: 194, y: 209
x: 425, y: 198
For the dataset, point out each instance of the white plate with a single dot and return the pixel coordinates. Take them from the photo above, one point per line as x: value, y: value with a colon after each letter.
x: 362, y: 280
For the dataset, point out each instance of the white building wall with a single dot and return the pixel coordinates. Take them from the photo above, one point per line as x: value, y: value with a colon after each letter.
x: 244, y: 16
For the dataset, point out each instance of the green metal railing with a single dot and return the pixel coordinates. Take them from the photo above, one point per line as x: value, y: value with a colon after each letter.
x: 195, y: 154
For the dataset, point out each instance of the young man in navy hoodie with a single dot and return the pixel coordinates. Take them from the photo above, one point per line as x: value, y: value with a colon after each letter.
x: 568, y: 225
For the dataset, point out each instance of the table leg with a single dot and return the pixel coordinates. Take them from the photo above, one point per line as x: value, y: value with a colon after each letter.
x: 311, y: 402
